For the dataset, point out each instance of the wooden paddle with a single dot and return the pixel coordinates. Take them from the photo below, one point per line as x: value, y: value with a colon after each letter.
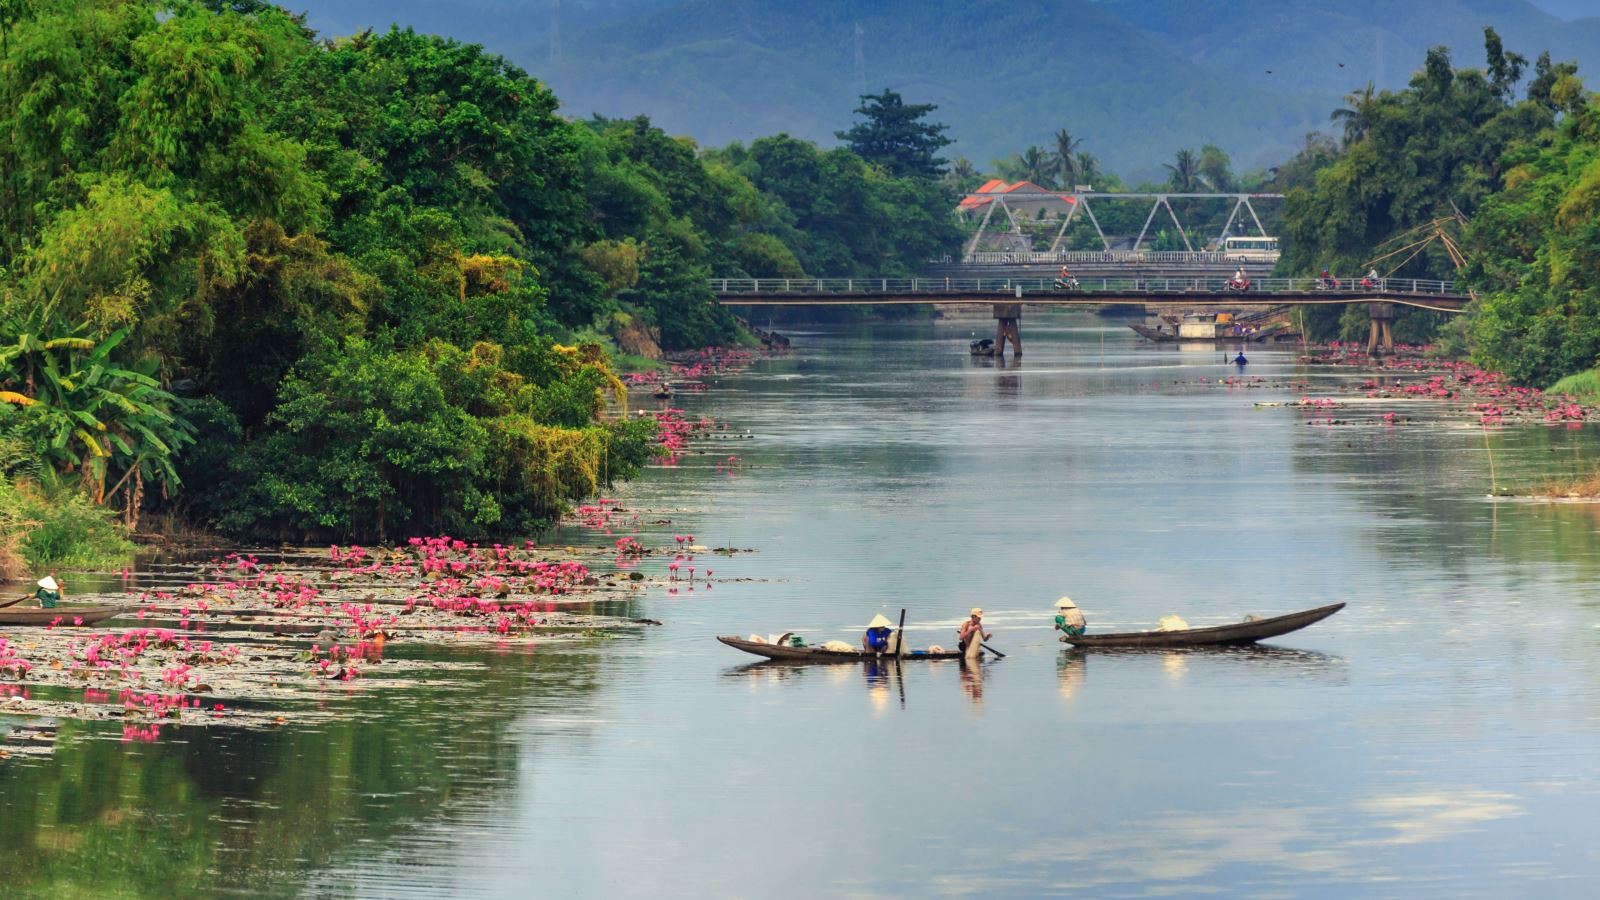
x: 12, y: 602
x: 899, y: 652
x: 997, y: 653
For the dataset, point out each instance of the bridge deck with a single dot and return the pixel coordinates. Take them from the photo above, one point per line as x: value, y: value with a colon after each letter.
x: 1438, y: 296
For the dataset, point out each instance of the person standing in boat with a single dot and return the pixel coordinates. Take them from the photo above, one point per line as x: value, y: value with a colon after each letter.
x: 49, y: 592
x: 1069, y: 619
x: 972, y: 629
x: 876, y: 640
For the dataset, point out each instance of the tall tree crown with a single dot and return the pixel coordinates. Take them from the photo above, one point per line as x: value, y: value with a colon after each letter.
x: 896, y: 136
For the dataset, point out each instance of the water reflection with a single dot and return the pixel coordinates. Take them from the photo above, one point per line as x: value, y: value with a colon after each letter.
x: 1071, y: 667
x: 1438, y: 734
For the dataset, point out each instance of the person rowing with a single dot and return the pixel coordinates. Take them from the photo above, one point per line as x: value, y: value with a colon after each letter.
x: 1069, y: 619
x: 876, y: 639
x: 49, y: 592
x: 972, y: 629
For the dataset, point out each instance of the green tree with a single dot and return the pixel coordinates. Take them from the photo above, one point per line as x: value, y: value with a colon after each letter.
x: 896, y: 136
x: 1066, y: 158
x: 1215, y: 170
x: 962, y: 176
x: 1534, y: 252
x: 1432, y: 150
x: 1183, y: 173
x: 1355, y: 117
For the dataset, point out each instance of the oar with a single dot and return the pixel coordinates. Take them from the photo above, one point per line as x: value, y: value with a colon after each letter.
x: 12, y: 602
x: 899, y: 652
x: 993, y: 650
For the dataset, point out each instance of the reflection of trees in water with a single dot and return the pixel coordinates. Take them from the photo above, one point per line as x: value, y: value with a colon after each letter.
x: 1432, y: 482
x: 208, y: 809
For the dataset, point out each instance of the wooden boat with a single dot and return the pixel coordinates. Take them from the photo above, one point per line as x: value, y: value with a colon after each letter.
x: 68, y: 615
x: 984, y: 347
x: 817, y: 654
x: 1217, y: 635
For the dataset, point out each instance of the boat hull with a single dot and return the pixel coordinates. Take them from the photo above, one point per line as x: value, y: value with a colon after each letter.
x: 1214, y: 636
x: 817, y: 654
x: 67, y: 615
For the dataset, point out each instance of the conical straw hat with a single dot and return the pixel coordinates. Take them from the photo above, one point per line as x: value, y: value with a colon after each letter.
x: 878, y: 621
x: 1066, y: 603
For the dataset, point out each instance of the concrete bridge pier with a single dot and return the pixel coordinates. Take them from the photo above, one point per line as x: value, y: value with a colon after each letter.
x: 1007, y: 316
x: 1380, y: 340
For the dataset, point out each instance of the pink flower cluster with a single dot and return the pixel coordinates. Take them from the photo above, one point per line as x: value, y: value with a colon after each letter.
x: 11, y: 662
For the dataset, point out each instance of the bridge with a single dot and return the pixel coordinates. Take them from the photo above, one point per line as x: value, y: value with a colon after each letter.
x: 1026, y: 207
x: 1009, y: 294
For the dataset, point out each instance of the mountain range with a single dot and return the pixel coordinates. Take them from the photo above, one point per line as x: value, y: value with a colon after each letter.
x: 1135, y: 79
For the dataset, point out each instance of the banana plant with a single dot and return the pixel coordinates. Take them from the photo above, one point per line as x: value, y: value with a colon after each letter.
x: 88, y: 415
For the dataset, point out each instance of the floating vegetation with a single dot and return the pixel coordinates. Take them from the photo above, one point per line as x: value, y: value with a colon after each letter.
x: 246, y: 639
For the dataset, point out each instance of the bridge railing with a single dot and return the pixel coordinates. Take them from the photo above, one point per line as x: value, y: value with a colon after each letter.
x: 1111, y: 284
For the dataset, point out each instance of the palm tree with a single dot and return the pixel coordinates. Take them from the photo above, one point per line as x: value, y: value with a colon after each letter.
x: 1356, y: 114
x: 962, y: 176
x: 1066, y: 158
x: 1037, y: 167
x: 1183, y: 173
x: 1088, y: 167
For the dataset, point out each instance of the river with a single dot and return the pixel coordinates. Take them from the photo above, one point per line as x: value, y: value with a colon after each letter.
x: 1440, y: 736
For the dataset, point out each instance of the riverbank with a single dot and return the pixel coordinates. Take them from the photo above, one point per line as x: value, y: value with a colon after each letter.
x: 258, y: 639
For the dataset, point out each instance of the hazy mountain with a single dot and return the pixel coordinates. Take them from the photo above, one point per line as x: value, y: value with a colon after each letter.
x: 1136, y: 79
x: 1003, y: 74
x: 1569, y: 9
x: 1303, y: 42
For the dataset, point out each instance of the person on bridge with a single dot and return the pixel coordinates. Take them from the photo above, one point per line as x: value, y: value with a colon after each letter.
x: 1065, y: 279
x: 1240, y: 281
x: 1069, y: 619
x: 1371, y: 281
x: 876, y: 640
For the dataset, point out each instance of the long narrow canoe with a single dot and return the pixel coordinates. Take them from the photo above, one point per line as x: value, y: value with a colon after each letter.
x: 817, y: 654
x: 67, y: 615
x: 1237, y: 633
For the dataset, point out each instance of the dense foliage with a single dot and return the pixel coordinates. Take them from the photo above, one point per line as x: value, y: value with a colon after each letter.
x: 1429, y: 153
x: 294, y: 287
x: 1534, y: 251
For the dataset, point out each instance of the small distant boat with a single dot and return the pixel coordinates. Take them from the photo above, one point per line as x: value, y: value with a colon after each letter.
x: 1247, y: 632
x: 984, y: 347
x: 818, y: 654
x: 663, y: 392
x: 62, y: 615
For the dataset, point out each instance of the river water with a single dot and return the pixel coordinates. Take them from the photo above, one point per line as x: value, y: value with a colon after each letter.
x: 1441, y: 736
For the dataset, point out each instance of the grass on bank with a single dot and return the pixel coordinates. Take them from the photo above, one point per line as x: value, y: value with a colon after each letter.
x: 1584, y: 386
x: 1576, y: 487
x: 47, y: 528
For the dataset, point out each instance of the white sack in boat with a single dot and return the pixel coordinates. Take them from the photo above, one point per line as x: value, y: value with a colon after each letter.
x: 1172, y: 623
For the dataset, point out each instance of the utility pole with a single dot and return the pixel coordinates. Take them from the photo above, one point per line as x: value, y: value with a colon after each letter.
x: 861, y: 63
x: 555, y: 32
